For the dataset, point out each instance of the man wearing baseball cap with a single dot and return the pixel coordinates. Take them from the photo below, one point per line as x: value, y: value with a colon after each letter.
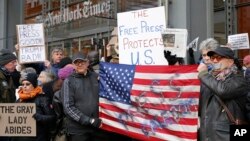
x: 8, y: 64
x: 224, y: 83
x: 80, y: 101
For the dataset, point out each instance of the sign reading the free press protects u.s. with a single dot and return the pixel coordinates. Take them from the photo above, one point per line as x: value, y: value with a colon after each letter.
x: 16, y: 119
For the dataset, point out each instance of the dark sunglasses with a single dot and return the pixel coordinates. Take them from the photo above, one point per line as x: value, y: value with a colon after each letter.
x: 217, y: 57
x: 25, y: 84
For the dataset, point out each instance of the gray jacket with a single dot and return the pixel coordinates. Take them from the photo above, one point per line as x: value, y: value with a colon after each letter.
x: 214, y: 121
x: 80, y: 99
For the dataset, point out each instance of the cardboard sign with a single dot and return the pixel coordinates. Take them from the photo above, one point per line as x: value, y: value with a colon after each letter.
x: 175, y: 41
x: 32, y: 54
x: 139, y: 36
x: 238, y: 41
x: 30, y: 35
x: 16, y: 119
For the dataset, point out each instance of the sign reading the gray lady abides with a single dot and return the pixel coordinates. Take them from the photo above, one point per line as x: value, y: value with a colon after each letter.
x: 16, y: 119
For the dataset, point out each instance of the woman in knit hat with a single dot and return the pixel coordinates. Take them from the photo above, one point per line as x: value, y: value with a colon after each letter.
x: 30, y: 92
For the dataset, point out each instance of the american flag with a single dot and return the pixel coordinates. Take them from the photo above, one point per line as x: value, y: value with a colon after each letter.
x: 153, y: 103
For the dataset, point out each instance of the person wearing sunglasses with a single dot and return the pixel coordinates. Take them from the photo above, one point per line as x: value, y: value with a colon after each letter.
x: 30, y: 92
x: 225, y: 83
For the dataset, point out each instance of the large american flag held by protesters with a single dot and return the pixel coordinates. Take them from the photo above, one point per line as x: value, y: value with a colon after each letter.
x: 153, y: 103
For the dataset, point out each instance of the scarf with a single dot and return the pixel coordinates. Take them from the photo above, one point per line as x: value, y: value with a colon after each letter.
x: 222, y: 75
x: 24, y: 96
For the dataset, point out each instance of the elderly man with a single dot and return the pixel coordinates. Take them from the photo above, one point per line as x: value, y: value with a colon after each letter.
x: 80, y: 101
x: 223, y: 83
x: 8, y: 65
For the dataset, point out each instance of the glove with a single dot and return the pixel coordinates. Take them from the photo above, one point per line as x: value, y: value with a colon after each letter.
x: 96, y: 122
x: 37, y: 117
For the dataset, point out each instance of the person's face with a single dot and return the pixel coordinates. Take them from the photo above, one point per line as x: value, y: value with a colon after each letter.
x: 27, y: 86
x: 42, y: 77
x: 81, y: 66
x: 57, y: 56
x: 206, y: 58
x: 221, y: 62
x: 11, y: 66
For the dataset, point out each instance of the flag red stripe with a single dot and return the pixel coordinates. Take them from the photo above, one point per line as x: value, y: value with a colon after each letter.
x: 172, y: 69
x: 182, y: 120
x: 185, y: 82
x: 167, y: 107
x: 180, y: 134
x: 128, y: 133
x: 167, y: 94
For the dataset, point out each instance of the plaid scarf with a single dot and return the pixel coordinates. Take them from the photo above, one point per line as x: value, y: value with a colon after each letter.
x: 222, y: 75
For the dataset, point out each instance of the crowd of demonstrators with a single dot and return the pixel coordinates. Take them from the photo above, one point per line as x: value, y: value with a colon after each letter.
x: 222, y: 88
x: 68, y: 90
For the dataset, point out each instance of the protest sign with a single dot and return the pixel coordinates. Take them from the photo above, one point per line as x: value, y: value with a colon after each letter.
x: 31, y: 43
x: 139, y: 36
x: 175, y: 41
x: 238, y: 41
x: 32, y: 54
x: 30, y: 35
x: 16, y: 119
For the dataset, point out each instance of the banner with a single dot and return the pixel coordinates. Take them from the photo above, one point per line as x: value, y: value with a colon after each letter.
x: 154, y: 103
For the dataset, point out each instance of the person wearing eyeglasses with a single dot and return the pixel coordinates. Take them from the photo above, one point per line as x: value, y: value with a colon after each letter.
x: 30, y: 92
x: 224, y: 83
x: 80, y: 99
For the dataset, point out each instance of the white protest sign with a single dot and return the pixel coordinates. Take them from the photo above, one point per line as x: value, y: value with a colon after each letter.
x: 139, y: 36
x: 175, y: 41
x: 16, y: 119
x: 31, y: 43
x: 32, y: 54
x: 30, y: 35
x: 238, y: 41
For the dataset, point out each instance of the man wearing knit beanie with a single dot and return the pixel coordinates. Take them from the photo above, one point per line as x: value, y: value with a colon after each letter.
x: 6, y: 56
x: 8, y: 64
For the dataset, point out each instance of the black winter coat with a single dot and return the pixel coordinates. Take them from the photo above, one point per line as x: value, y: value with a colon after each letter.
x: 214, y: 121
x: 45, y: 115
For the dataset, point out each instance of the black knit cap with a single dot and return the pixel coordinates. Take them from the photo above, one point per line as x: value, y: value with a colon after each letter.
x: 65, y: 61
x: 31, y: 77
x: 6, y: 56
